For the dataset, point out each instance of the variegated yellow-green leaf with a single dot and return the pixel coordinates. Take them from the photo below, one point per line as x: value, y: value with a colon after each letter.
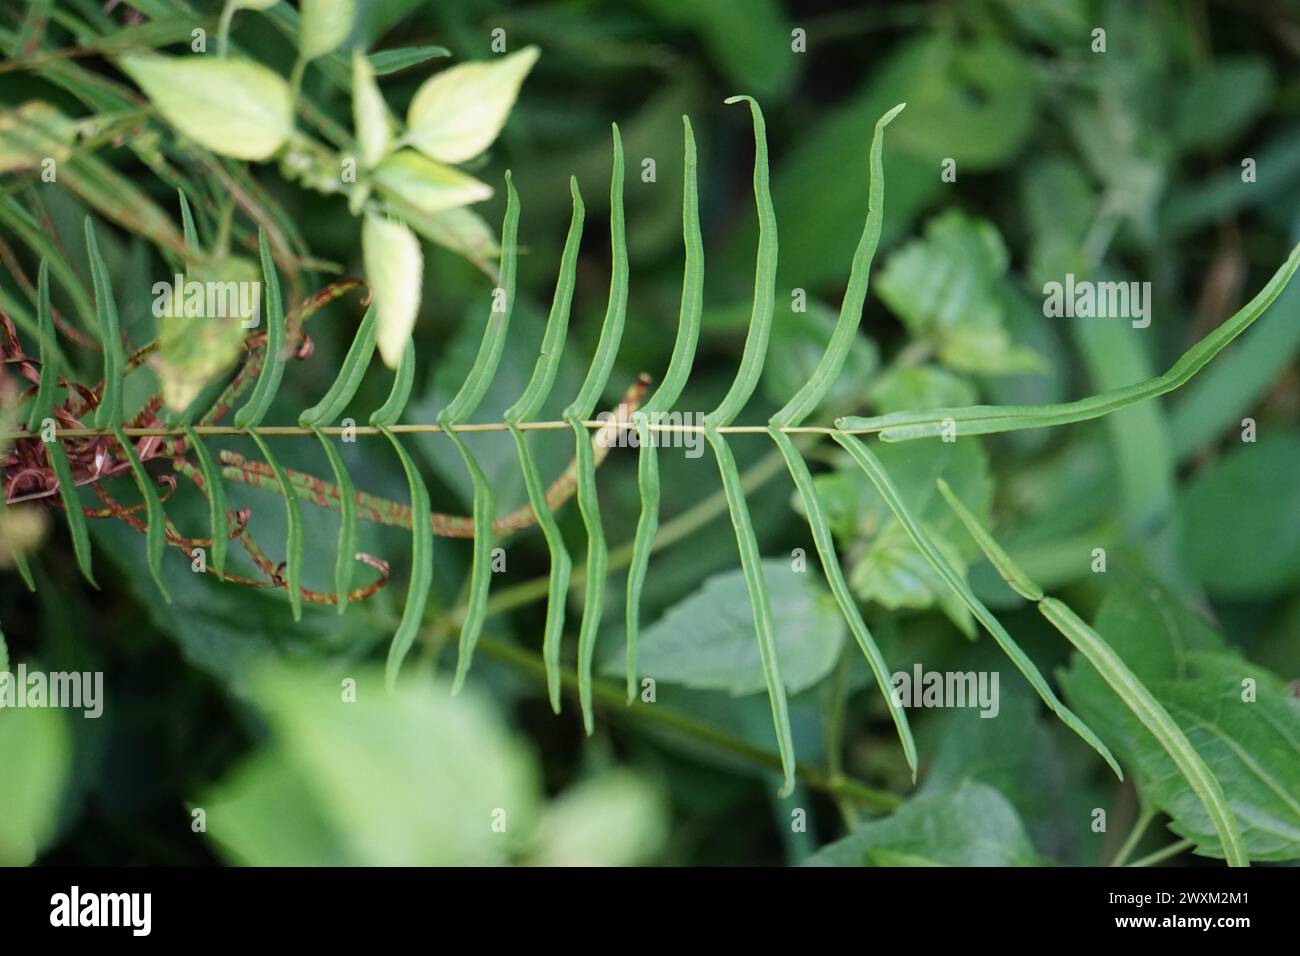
x: 428, y: 186
x: 257, y: 4
x: 31, y: 133
x: 458, y: 113
x: 202, y: 331
x: 233, y: 107
x: 394, y: 266
x: 370, y: 117
x: 324, y: 25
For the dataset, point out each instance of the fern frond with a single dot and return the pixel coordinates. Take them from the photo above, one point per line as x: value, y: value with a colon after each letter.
x: 1127, y: 685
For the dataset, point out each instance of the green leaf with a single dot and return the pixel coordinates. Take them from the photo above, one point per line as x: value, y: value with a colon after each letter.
x: 394, y: 272
x: 324, y: 25
x: 664, y: 397
x: 409, y: 778
x: 36, y: 752
x: 920, y: 387
x: 1250, y: 746
x: 1220, y: 101
x: 200, y: 339
x: 760, y: 321
x: 43, y: 405
x: 457, y: 113
x: 109, y: 413
x: 218, y: 519
x: 611, y: 328
x: 427, y: 186
x: 946, y: 288
x: 384, y: 62
x: 822, y: 538
x: 391, y: 411
x: 345, y: 552
x: 461, y: 230
x: 370, y: 117
x: 706, y: 640
x: 157, y: 530
x: 535, y: 393
x: 349, y: 378
x: 894, y: 501
x: 250, y: 415
x: 33, y: 132
x: 973, y: 825
x: 235, y: 108
x: 845, y: 334
x: 988, y: 419
x: 1241, y: 519
x: 417, y: 592
x: 71, y: 508
x: 618, y: 818
x: 760, y: 605
x: 293, y: 549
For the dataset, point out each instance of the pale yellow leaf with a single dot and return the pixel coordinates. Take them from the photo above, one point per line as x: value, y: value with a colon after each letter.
x: 458, y: 113
x: 394, y: 267
x: 233, y: 107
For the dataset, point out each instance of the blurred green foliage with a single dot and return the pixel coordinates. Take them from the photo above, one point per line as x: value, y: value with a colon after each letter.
x: 1125, y: 164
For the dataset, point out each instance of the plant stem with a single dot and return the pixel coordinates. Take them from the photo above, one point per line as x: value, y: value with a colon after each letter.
x: 1172, y: 850
x: 613, y: 700
x: 1139, y: 827
x: 223, y: 27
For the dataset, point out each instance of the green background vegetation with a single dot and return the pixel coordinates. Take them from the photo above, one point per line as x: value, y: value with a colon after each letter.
x: 1121, y: 165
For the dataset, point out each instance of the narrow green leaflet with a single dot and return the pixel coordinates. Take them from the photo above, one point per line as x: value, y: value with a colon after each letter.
x: 156, y: 535
x: 825, y: 544
x: 400, y: 393
x: 464, y: 404
x: 218, y: 517
x: 293, y: 549
x: 480, y: 575
x: 188, y: 228
x: 761, y: 604
x: 871, y: 466
x: 593, y: 602
x: 530, y: 401
x: 760, y: 321
x: 580, y: 409
x: 557, y: 588
x: 1156, y: 719
x: 417, y: 593
x: 1122, y: 680
x: 72, y: 508
x: 611, y: 329
x: 43, y: 406
x: 254, y: 410
x: 349, y: 378
x: 987, y: 419
x: 846, y: 327
x: 347, y: 542
x: 497, y: 325
x: 109, y: 413
x: 679, y: 368
x: 547, y: 365
x: 384, y: 62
